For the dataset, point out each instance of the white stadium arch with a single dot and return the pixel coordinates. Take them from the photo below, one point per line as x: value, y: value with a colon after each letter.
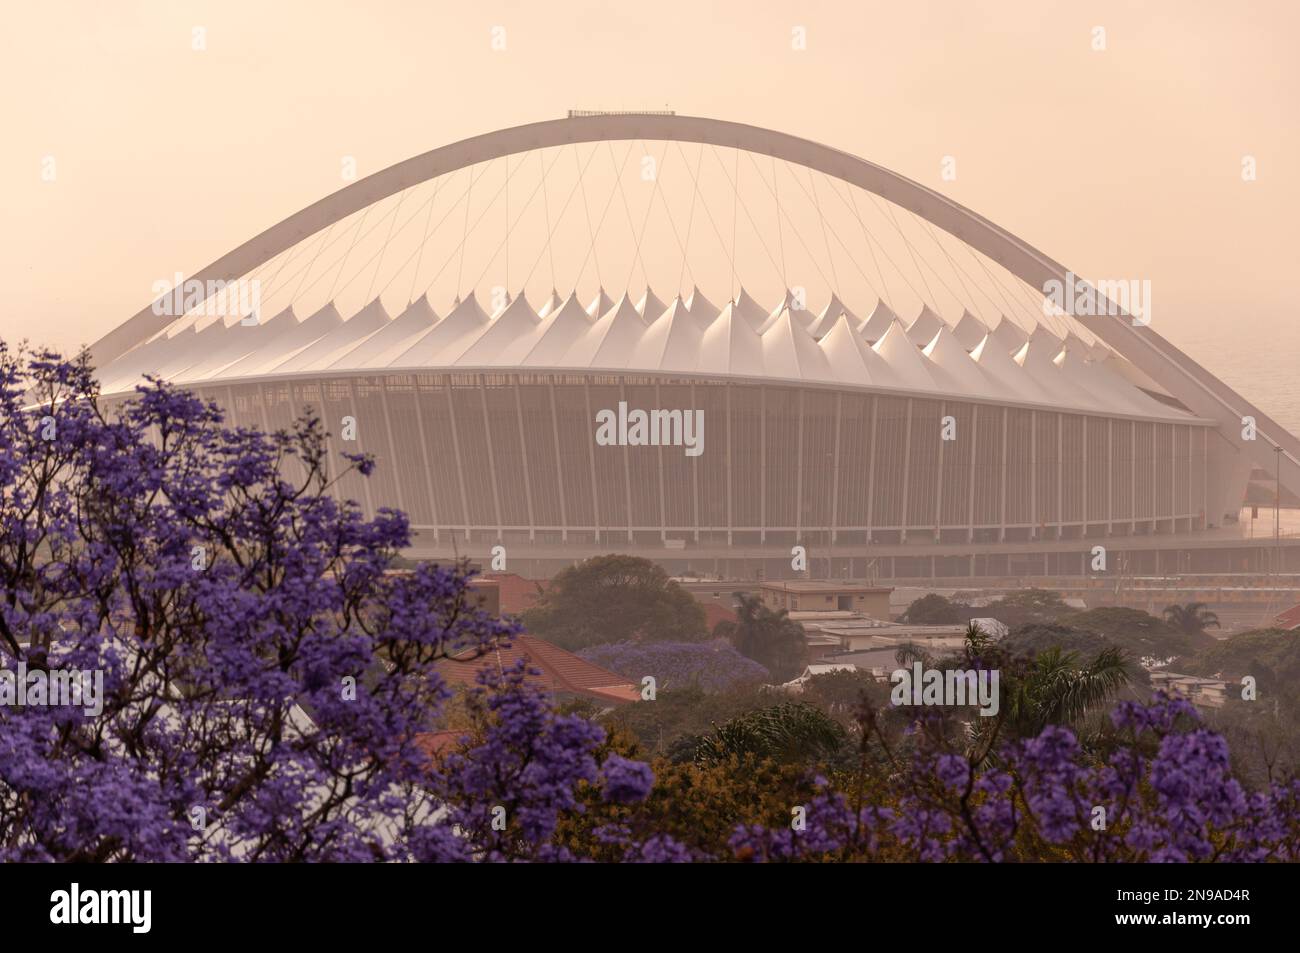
x: 1189, y: 410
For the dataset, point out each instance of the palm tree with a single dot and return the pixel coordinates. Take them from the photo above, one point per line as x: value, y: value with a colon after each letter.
x: 769, y: 638
x: 1191, y: 619
x: 788, y: 732
x: 1054, y: 687
x: 1058, y: 690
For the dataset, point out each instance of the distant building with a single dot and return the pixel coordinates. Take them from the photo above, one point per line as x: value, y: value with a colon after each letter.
x: 811, y: 595
x: 486, y: 589
x: 880, y: 662
x: 488, y: 592
x: 859, y: 634
x: 1289, y: 620
x: 563, y: 675
x: 1202, y: 692
x: 796, y: 685
x: 517, y: 594
x: 992, y: 627
x: 820, y: 645
x: 714, y: 613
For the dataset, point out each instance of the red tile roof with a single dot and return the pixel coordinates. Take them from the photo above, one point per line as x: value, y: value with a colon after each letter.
x: 714, y: 613
x: 561, y: 672
x: 517, y: 593
x: 434, y: 743
x: 1290, y: 619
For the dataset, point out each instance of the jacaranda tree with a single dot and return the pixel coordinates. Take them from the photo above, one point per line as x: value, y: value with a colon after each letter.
x: 265, y: 678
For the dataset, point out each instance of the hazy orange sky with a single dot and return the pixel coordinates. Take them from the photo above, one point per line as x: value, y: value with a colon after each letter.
x: 1125, y: 162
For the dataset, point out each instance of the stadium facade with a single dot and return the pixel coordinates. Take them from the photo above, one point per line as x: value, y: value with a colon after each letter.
x: 946, y: 447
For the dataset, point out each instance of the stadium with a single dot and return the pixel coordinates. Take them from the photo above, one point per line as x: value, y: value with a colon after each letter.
x: 782, y: 345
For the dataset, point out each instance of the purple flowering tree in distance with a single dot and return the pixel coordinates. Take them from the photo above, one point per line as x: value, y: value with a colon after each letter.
x: 711, y: 666
x: 255, y: 680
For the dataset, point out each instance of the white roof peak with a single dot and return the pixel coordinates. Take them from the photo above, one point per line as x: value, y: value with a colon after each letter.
x: 998, y: 364
x: 829, y: 315
x: 1010, y: 334
x: 609, y: 342
x: 464, y: 321
x: 701, y: 308
x: 953, y: 363
x: 877, y: 323
x: 570, y: 308
x: 516, y: 308
x: 969, y: 330
x: 788, y: 305
x: 282, y: 346
x: 374, y: 308
x: 925, y: 327
x: 513, y: 323
x: 854, y: 361
x: 382, y: 347
x: 624, y: 309
x: 904, y: 358
x: 600, y: 304
x: 750, y: 310
x: 843, y: 348
x: 731, y: 345
x: 558, y: 331
x: 789, y: 351
x: 326, y: 349
x: 650, y: 307
x: 671, y: 343
x: 553, y: 301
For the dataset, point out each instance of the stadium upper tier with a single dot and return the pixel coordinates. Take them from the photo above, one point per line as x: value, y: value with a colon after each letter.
x: 684, y: 337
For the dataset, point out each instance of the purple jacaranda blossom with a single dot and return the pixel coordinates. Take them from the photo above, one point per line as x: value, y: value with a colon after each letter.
x: 626, y: 781
x: 1180, y: 804
x: 658, y: 849
x: 952, y: 770
x: 522, y: 773
x: 265, y: 675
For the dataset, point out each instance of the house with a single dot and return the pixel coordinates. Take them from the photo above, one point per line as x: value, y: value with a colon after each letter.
x: 796, y: 685
x: 714, y: 613
x: 562, y: 674
x: 516, y: 594
x: 820, y: 644
x: 795, y: 595
x: 858, y: 633
x: 880, y: 662
x: 992, y: 627
x: 1202, y: 692
x: 486, y: 589
x: 1289, y: 620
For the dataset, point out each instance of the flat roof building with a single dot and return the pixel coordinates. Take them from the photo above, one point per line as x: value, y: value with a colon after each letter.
x: 1200, y: 691
x: 804, y: 595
